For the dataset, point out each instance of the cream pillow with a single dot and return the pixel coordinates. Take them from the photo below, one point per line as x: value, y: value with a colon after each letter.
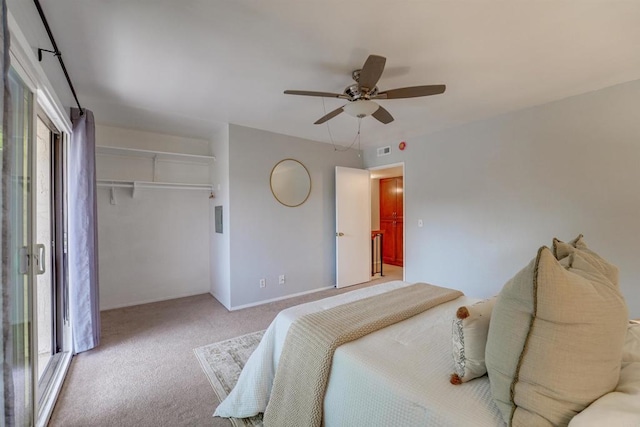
x: 469, y: 337
x: 555, y: 340
x: 562, y: 250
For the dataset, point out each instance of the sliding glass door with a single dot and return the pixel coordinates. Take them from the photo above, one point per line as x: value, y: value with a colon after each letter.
x: 44, y: 285
x: 34, y: 279
x: 50, y: 279
x: 18, y: 271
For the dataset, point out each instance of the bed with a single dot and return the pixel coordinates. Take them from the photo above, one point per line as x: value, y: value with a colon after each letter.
x: 379, y: 367
x: 400, y: 375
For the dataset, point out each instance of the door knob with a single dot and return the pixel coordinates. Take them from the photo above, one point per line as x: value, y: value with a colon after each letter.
x: 339, y: 234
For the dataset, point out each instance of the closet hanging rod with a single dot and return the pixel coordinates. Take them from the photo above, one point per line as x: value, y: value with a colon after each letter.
x: 56, y: 52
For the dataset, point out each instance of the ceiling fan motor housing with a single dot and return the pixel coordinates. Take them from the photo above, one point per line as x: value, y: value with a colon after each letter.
x: 355, y: 92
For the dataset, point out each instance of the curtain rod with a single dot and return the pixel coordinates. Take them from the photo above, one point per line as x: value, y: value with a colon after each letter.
x: 56, y: 52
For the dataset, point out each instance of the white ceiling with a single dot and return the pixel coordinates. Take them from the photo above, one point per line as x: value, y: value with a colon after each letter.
x: 184, y: 67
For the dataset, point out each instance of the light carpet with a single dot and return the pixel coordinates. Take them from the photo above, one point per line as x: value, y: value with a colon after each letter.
x: 144, y: 374
x: 222, y: 363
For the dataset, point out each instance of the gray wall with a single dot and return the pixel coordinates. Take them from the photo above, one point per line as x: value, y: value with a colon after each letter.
x: 491, y: 192
x: 269, y: 239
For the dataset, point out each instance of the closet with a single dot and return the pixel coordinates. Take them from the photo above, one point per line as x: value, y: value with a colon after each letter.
x: 392, y: 219
x: 155, y: 215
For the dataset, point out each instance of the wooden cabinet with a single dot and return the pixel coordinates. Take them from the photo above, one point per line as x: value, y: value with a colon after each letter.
x: 392, y: 220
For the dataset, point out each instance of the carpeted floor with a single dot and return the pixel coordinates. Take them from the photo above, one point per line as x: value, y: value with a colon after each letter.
x: 145, y: 373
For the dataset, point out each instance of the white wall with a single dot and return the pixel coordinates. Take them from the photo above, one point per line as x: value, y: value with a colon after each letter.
x: 490, y: 193
x: 220, y: 242
x: 375, y: 203
x: 142, y: 140
x: 155, y: 246
x: 31, y: 27
x: 269, y: 239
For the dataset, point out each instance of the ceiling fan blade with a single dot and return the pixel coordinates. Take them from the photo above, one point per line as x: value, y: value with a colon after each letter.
x: 312, y: 93
x: 329, y: 116
x: 382, y: 116
x: 411, y: 92
x: 371, y: 71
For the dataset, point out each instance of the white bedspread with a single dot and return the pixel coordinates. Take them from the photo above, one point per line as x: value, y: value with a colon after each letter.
x: 622, y: 406
x: 396, y: 376
x: 400, y: 376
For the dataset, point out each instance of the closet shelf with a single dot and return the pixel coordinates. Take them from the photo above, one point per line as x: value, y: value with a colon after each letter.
x: 114, y: 183
x: 157, y: 155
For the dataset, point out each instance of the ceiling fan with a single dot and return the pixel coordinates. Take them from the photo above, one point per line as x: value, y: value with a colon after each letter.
x: 361, y: 94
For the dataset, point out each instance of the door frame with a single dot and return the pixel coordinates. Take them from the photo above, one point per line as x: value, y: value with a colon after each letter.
x: 404, y: 210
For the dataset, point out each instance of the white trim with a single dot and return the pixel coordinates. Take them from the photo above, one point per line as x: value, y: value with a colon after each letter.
x: 156, y: 155
x: 116, y: 183
x: 219, y: 300
x: 56, y: 386
x: 389, y: 166
x: 53, y: 110
x: 22, y: 55
x: 253, y: 304
x: 149, y: 301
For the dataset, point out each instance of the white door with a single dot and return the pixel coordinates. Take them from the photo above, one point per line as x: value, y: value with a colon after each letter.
x: 353, y: 226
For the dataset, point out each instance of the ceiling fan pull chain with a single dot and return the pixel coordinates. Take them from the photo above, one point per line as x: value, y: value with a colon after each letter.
x: 324, y: 109
x: 359, y: 137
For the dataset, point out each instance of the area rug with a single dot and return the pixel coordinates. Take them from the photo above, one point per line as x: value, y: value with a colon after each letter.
x: 222, y: 363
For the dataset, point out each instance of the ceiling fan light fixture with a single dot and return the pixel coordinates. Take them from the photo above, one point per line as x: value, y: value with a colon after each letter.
x: 361, y: 108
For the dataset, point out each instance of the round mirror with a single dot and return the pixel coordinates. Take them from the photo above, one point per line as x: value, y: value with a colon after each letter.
x: 290, y: 182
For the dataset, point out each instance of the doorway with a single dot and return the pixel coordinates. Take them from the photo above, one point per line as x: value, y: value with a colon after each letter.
x: 387, y: 221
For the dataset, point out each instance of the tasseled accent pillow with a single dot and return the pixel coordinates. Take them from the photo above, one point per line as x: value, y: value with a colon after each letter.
x: 469, y: 337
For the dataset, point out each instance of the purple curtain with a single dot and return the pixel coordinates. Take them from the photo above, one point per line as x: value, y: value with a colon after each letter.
x: 7, y: 392
x: 84, y: 304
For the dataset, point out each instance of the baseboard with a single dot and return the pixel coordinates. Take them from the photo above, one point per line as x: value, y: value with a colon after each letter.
x: 219, y: 300
x: 149, y: 301
x: 254, y: 304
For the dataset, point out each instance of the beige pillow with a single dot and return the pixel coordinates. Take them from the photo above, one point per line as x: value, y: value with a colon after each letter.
x: 469, y: 339
x: 562, y: 250
x: 555, y: 340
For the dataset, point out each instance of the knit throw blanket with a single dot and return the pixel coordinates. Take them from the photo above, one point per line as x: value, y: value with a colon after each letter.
x: 305, y: 363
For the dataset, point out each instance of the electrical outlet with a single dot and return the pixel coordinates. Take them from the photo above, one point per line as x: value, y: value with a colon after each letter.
x: 263, y: 283
x: 281, y: 280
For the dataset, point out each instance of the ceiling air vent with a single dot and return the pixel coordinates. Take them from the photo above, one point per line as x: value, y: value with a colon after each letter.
x: 383, y: 151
